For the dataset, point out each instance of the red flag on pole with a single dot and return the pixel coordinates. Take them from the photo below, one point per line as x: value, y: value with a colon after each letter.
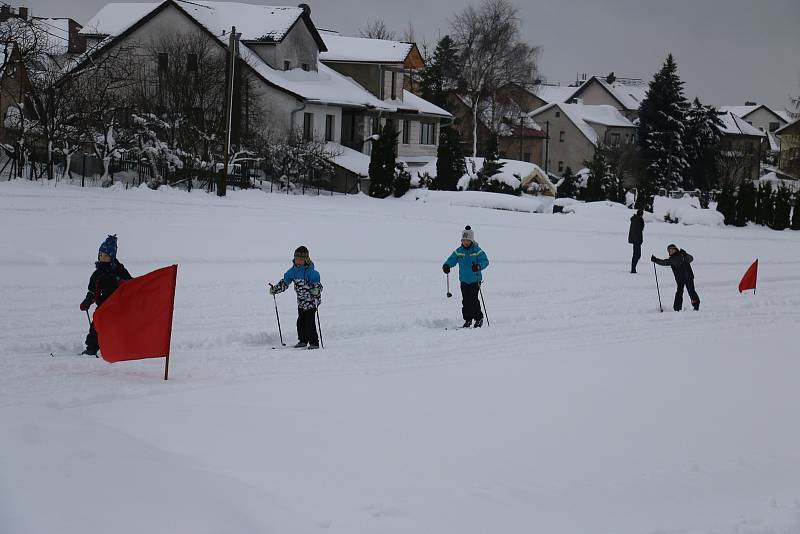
x: 749, y: 279
x: 136, y: 321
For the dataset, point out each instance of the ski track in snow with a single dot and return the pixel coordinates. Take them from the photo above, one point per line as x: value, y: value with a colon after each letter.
x: 581, y: 409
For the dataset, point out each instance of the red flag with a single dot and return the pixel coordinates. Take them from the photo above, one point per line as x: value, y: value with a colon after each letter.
x: 749, y: 279
x: 136, y: 320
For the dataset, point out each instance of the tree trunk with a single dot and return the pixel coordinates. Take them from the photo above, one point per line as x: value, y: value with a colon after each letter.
x: 475, y: 127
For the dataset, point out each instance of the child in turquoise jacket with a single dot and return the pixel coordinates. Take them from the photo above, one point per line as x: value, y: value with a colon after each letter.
x: 471, y: 260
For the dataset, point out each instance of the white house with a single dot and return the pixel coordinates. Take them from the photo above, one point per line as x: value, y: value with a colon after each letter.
x: 763, y: 117
x: 283, y: 51
x: 625, y: 94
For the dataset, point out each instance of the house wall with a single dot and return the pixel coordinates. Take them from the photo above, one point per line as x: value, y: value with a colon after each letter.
x: 10, y: 88
x: 297, y: 47
x: 320, y: 113
x: 368, y: 75
x: 414, y: 148
x: 761, y: 118
x: 532, y: 149
x: 387, y: 82
x: 741, y: 157
x: 526, y: 100
x: 789, y: 158
x: 573, y: 151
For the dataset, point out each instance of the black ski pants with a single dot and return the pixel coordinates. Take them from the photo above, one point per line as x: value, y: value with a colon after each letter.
x: 689, y: 284
x: 92, y: 345
x: 637, y: 254
x: 307, y: 326
x: 470, y: 305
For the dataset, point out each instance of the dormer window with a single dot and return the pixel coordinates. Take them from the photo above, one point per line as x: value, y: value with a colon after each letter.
x: 287, y: 65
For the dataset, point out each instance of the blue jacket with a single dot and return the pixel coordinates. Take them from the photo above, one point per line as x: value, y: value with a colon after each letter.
x: 465, y: 258
x: 307, y: 285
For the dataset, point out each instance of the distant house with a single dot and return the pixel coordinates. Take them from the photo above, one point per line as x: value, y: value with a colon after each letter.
x: 762, y: 117
x: 383, y: 68
x: 537, y: 95
x: 625, y: 94
x: 789, y: 154
x: 576, y: 130
x: 15, y: 87
x: 742, y: 145
x: 330, y: 88
x: 518, y: 136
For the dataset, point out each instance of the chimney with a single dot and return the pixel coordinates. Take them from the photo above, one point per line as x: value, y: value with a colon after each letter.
x: 23, y: 13
x: 747, y: 102
x: 306, y: 9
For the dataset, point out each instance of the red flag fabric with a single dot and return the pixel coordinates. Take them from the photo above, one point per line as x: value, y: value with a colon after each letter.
x: 136, y: 321
x: 749, y: 279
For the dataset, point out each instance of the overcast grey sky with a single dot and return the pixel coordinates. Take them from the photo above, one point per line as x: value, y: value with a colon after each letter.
x: 728, y: 51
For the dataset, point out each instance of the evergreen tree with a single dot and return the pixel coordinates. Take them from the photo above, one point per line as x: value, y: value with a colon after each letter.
x: 746, y: 203
x: 597, y: 181
x: 783, y: 208
x: 796, y: 212
x: 726, y: 203
x: 662, y: 130
x: 440, y: 73
x: 491, y: 163
x: 450, y: 164
x: 703, y: 146
x: 567, y: 188
x: 402, y: 179
x: 382, y: 161
x: 765, y: 208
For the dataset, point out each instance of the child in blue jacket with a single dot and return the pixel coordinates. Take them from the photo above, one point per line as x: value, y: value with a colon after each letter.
x: 308, y: 286
x: 471, y: 262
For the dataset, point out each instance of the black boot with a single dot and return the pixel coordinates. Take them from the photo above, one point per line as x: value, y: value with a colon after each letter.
x: 467, y: 323
x: 479, y: 322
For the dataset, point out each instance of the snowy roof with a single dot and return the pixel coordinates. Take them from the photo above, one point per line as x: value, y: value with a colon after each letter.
x: 363, y: 50
x: 630, y: 92
x: 349, y: 159
x: 733, y: 124
x: 744, y: 111
x: 553, y: 93
x: 419, y: 105
x: 790, y: 125
x: 322, y: 86
x: 583, y: 116
x: 254, y: 22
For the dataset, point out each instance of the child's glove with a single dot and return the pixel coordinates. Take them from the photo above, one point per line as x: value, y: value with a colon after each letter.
x: 315, y: 291
x: 475, y: 267
x: 446, y: 268
x: 273, y: 290
x: 85, y: 304
x: 653, y: 258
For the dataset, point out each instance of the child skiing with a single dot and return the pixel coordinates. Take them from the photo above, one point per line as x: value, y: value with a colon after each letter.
x: 309, y: 296
x: 680, y: 261
x: 471, y: 261
x: 104, y: 281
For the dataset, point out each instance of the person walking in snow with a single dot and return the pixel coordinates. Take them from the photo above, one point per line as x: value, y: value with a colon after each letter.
x: 308, y: 286
x: 471, y: 262
x: 680, y: 261
x: 636, y: 238
x: 106, y: 278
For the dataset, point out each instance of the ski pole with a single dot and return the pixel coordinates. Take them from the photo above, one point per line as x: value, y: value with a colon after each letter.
x: 319, y: 323
x: 485, y: 313
x: 277, y: 315
x: 655, y: 271
x: 448, y: 285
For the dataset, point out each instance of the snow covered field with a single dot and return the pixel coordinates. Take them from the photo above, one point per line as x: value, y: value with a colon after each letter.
x: 581, y: 410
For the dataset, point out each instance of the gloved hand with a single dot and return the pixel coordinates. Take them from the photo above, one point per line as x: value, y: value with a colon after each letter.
x: 446, y: 268
x: 273, y: 290
x: 475, y: 267
x: 315, y: 291
x: 85, y: 304
x: 652, y: 258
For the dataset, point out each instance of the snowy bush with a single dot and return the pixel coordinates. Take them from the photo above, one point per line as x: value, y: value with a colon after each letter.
x: 503, y: 183
x: 402, y: 179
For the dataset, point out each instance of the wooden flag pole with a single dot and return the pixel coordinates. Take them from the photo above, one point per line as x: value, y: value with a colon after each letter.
x: 172, y: 307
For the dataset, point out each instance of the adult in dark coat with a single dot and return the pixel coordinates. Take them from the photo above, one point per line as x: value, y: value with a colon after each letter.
x: 104, y: 281
x: 680, y: 261
x: 635, y: 237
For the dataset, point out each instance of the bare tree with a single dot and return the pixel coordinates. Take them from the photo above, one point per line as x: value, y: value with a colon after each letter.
x: 492, y: 54
x: 377, y: 29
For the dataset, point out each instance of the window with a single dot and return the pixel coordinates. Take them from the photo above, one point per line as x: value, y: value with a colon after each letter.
x: 406, y: 132
x: 330, y: 124
x: 561, y: 136
x: 560, y: 166
x: 308, y: 126
x: 163, y: 61
x: 394, y: 85
x: 614, y: 139
x: 287, y: 65
x: 305, y: 67
x: 773, y: 126
x: 191, y: 62
x: 426, y: 133
x: 558, y: 114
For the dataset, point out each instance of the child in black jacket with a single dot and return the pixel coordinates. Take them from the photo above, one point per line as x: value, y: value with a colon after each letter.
x: 680, y: 261
x: 104, y: 281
